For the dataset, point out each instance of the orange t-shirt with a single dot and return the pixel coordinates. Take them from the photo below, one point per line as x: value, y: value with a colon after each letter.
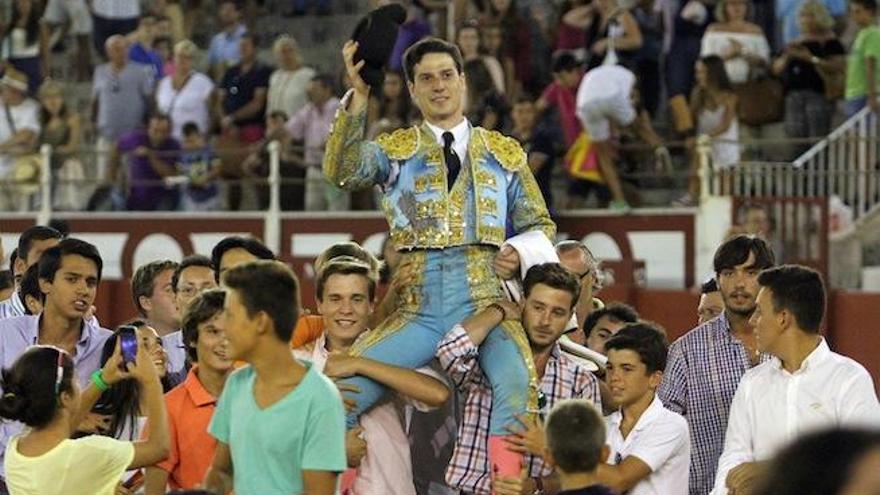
x: 190, y: 408
x: 308, y: 328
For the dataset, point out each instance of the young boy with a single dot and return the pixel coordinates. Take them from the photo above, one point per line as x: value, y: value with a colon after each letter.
x: 650, y: 447
x: 202, y: 167
x: 861, y: 68
x: 191, y: 405
x: 279, y: 424
x: 575, y: 432
x: 346, y: 291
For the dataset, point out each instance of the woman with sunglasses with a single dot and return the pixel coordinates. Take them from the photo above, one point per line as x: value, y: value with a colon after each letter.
x: 40, y: 391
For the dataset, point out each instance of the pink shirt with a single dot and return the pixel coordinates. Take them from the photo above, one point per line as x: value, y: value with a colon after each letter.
x: 311, y: 125
x: 387, y: 466
x: 565, y: 102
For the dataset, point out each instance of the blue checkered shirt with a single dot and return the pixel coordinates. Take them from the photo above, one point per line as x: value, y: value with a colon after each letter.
x: 702, y: 372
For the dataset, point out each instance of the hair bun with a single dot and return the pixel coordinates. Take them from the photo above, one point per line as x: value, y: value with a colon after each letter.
x: 12, y: 405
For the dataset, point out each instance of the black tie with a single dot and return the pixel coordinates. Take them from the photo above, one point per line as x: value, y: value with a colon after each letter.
x: 453, y: 164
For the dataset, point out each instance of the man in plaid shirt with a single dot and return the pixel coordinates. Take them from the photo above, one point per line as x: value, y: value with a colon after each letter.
x: 551, y: 293
x: 705, y: 365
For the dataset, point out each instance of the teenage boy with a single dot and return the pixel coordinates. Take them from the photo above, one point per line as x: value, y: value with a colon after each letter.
x: 722, y: 348
x: 650, y: 451
x: 235, y: 250
x: 346, y: 291
x: 604, y: 323
x: 191, y: 405
x: 153, y: 295
x: 550, y: 296
x: 862, y: 79
x: 803, y: 388
x: 193, y: 275
x: 279, y: 424
x: 69, y: 275
x: 31, y: 245
x: 575, y: 433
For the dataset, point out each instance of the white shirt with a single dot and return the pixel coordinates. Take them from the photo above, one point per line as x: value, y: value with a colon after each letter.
x: 287, y: 90
x: 606, y: 82
x: 25, y: 115
x: 462, y: 134
x: 188, y: 104
x: 116, y: 9
x: 721, y: 42
x: 660, y: 439
x: 772, y: 407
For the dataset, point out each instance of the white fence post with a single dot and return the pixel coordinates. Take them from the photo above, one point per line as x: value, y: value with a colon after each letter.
x: 45, y: 212
x: 272, y: 221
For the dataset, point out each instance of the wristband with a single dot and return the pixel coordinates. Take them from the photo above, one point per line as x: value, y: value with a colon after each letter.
x: 500, y: 308
x: 98, y: 380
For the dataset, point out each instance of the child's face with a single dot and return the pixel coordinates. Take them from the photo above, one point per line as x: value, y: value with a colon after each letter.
x: 569, y: 78
x: 860, y: 15
x: 274, y: 123
x: 193, y: 142
x: 212, y: 345
x: 628, y: 377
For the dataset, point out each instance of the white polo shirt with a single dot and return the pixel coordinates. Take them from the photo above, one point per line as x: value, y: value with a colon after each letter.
x: 660, y: 439
x: 773, y: 407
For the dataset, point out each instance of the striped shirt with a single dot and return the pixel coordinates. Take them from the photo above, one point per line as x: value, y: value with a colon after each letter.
x: 702, y: 372
x: 468, y: 469
x: 12, y: 307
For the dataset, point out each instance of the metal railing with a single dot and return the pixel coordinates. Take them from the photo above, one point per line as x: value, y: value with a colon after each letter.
x: 844, y: 164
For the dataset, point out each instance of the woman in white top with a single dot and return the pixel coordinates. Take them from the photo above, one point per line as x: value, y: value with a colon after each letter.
x: 287, y: 85
x: 741, y: 44
x: 186, y: 95
x: 22, y: 45
x: 41, y: 390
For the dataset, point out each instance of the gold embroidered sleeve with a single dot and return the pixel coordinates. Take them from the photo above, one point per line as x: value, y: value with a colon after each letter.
x: 350, y: 162
x: 528, y: 209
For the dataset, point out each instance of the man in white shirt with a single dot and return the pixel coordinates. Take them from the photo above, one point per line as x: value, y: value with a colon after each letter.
x: 649, y: 444
x: 19, y: 129
x: 607, y: 95
x: 805, y: 387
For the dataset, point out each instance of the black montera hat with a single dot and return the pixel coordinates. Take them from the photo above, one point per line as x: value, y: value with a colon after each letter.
x: 376, y: 35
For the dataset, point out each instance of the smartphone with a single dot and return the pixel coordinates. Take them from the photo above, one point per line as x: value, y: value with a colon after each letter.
x: 128, y: 343
x: 135, y: 481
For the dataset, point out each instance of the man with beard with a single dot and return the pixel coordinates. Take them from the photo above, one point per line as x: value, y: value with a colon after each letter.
x: 706, y: 364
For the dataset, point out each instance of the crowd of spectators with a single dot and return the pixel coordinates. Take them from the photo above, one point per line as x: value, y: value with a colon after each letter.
x: 702, y: 67
x: 230, y: 384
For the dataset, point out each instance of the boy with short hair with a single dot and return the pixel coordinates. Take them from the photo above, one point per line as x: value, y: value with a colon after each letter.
x: 575, y: 433
x: 650, y: 447
x: 191, y: 404
x: 346, y: 294
x: 279, y: 424
x: 200, y: 165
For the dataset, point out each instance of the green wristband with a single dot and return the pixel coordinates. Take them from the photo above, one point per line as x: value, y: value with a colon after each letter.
x: 98, y: 380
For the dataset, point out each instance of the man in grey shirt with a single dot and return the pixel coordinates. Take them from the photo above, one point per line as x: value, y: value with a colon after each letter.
x: 121, y: 98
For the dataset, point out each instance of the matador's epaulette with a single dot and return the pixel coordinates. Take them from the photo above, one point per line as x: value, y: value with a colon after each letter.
x: 401, y: 144
x: 505, y: 149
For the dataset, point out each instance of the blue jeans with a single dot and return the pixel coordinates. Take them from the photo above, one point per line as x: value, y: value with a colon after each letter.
x: 453, y: 284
